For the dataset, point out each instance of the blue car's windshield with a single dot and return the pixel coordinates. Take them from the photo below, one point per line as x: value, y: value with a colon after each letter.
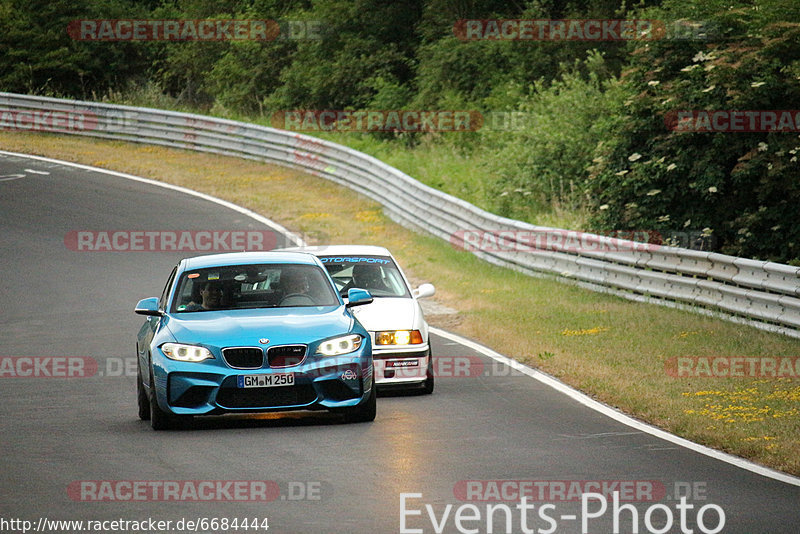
x: 253, y: 286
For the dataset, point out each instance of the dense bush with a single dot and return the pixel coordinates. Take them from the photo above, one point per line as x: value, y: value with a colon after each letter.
x: 542, y: 151
x: 739, y: 189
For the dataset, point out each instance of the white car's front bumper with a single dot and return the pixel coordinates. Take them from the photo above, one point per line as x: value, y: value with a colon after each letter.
x: 405, y: 366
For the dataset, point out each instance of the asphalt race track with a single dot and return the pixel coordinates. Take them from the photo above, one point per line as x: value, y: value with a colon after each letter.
x: 73, y: 448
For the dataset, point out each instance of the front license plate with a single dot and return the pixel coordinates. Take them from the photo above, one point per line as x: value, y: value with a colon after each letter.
x: 265, y: 381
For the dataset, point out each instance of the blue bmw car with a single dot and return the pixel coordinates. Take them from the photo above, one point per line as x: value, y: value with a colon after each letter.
x: 252, y: 332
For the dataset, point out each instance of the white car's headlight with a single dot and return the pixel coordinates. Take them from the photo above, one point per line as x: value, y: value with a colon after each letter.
x: 340, y: 345
x: 398, y: 337
x: 186, y: 353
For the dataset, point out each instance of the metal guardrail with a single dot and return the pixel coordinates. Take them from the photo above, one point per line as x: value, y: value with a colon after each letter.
x: 764, y: 294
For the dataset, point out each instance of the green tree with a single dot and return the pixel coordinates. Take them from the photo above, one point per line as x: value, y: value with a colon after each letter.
x: 38, y: 56
x: 363, y: 41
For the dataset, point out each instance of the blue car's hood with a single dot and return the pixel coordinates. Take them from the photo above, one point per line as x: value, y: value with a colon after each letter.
x: 247, y: 327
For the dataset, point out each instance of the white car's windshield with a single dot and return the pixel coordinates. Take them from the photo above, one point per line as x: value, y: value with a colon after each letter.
x: 253, y: 286
x: 377, y: 274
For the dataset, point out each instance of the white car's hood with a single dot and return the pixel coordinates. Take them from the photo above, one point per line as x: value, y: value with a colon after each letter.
x: 389, y: 314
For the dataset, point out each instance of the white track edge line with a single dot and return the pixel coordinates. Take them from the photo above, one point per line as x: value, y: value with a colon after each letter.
x: 296, y: 239
x: 608, y: 411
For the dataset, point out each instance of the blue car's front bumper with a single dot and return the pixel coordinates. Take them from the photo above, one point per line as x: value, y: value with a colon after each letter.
x: 211, y: 387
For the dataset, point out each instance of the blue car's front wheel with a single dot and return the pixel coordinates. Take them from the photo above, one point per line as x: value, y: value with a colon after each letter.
x: 364, y: 412
x: 141, y: 396
x: 161, y: 420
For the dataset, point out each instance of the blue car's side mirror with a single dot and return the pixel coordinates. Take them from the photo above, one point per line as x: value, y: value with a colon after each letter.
x: 358, y: 297
x: 148, y: 306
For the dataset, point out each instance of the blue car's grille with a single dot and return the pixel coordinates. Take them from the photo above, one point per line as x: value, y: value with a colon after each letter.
x: 286, y: 355
x: 244, y: 357
x: 231, y: 397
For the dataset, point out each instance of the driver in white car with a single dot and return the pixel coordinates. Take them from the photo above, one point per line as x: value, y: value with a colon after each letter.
x: 366, y: 276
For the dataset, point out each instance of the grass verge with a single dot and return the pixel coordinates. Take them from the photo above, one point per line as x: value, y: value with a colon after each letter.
x: 613, y: 349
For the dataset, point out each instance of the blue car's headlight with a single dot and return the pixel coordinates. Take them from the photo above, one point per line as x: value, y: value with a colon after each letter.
x: 340, y: 345
x: 186, y: 353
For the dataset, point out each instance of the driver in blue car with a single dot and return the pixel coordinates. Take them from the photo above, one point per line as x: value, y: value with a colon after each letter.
x: 295, y: 289
x: 211, y: 297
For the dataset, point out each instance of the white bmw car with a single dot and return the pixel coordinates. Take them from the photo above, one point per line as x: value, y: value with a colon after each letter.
x: 394, y: 319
